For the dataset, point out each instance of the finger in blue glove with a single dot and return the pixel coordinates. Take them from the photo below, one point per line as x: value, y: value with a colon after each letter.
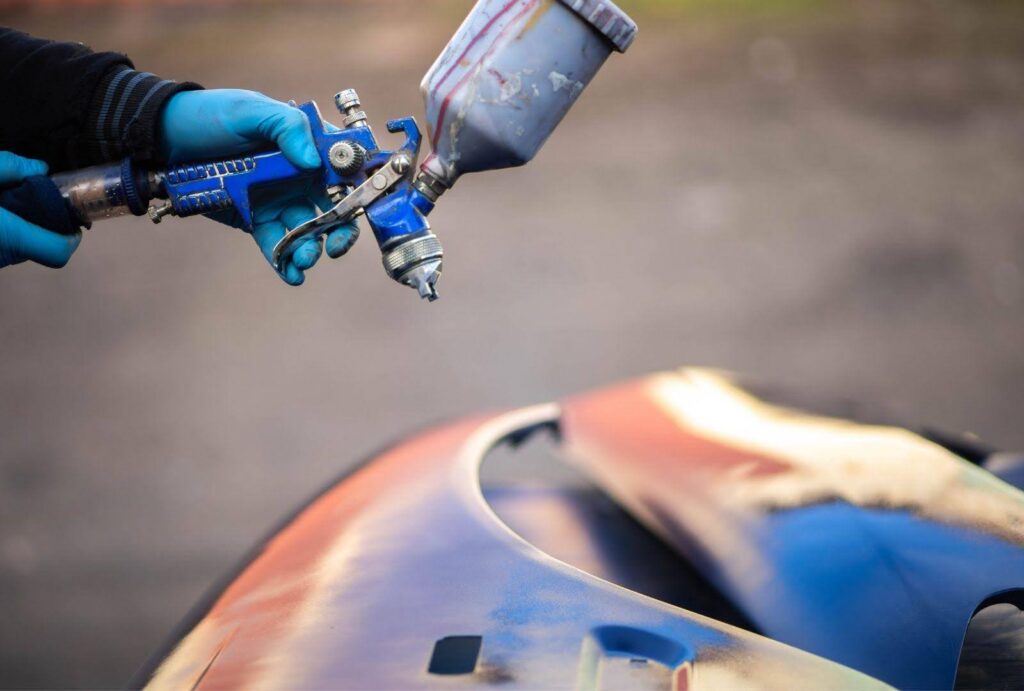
x: 14, y: 168
x: 267, y: 236
x: 340, y: 240
x: 23, y: 241
x: 279, y: 208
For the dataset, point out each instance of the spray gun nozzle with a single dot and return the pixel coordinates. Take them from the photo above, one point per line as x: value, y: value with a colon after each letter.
x: 423, y: 279
x: 417, y: 263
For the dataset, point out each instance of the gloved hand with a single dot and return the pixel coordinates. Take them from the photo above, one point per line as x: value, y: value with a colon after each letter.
x: 21, y: 240
x: 197, y: 125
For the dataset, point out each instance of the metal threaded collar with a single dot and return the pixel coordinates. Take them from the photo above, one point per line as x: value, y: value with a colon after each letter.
x: 400, y: 259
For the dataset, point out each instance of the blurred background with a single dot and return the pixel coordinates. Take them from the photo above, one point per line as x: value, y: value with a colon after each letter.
x: 828, y: 196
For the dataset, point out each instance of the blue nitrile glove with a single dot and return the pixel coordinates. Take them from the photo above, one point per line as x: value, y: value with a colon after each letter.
x: 198, y: 125
x: 23, y: 241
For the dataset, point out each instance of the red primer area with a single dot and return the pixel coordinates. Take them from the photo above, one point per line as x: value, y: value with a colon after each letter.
x: 630, y: 430
x: 469, y: 46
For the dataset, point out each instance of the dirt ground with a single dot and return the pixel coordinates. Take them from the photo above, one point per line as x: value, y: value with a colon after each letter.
x: 825, y: 196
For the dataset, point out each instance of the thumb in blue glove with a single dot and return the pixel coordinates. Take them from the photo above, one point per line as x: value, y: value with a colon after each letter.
x: 23, y: 241
x: 223, y: 122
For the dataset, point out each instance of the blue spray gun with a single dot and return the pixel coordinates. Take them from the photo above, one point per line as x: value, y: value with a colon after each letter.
x: 501, y: 86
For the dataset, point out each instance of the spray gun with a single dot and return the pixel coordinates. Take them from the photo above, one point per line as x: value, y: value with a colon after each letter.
x: 501, y: 86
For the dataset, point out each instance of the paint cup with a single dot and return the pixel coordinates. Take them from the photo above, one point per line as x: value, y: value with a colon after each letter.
x: 509, y: 76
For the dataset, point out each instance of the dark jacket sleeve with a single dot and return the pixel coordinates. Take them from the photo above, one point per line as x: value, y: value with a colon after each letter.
x: 71, y: 107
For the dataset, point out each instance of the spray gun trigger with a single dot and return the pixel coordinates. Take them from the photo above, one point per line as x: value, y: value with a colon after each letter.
x: 345, y: 210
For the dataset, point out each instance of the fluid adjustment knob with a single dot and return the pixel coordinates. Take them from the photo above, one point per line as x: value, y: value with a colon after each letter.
x: 346, y: 157
x: 348, y: 105
x: 346, y: 99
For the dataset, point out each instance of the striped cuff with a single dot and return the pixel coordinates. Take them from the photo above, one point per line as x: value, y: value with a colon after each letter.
x: 125, y: 111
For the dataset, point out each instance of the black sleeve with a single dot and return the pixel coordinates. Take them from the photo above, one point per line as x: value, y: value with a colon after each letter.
x: 71, y: 107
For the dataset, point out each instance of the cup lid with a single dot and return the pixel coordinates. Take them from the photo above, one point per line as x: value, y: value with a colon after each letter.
x: 607, y: 19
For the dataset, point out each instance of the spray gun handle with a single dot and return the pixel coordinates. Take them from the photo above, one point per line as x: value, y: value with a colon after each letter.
x: 202, y: 188
x: 208, y: 186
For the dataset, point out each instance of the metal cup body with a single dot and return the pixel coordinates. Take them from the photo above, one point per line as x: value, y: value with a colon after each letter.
x: 509, y: 76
